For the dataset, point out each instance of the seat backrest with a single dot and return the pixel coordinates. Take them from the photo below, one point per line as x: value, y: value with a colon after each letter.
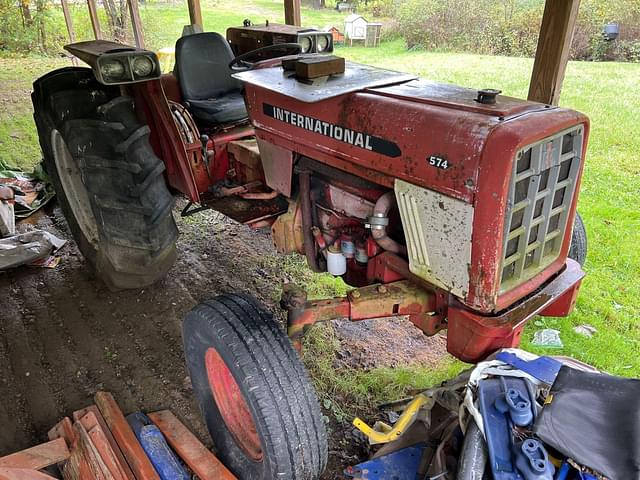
x: 202, y: 66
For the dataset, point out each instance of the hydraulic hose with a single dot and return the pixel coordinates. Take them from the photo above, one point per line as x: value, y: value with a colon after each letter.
x: 379, y: 222
x: 473, y: 459
x: 307, y: 221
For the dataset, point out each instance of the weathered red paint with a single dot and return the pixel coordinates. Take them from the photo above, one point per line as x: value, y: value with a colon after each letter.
x: 479, y: 141
x: 402, y: 298
x: 422, y: 118
x: 198, y: 457
x: 471, y: 337
x: 232, y: 405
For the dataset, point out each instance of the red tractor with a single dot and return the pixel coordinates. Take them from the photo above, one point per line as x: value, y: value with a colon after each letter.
x: 454, y: 207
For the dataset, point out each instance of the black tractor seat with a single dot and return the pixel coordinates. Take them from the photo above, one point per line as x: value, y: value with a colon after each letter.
x: 209, y: 91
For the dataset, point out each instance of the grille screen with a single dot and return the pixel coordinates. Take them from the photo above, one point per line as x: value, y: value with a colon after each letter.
x: 540, y: 193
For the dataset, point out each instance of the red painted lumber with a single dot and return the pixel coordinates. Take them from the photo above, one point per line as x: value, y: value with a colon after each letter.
x: 198, y: 457
x: 79, y: 414
x: 102, y: 447
x: 63, y: 429
x: 7, y: 473
x: 38, y: 457
x: 124, y: 436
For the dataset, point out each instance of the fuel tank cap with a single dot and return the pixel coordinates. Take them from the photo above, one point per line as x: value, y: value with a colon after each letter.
x: 487, y: 96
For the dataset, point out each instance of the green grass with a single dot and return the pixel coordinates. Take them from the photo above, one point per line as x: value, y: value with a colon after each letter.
x: 19, y: 147
x: 609, y: 93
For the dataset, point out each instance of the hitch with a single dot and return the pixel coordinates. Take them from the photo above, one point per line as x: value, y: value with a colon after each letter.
x: 402, y: 298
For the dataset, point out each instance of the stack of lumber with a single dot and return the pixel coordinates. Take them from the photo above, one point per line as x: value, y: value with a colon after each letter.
x: 98, y: 443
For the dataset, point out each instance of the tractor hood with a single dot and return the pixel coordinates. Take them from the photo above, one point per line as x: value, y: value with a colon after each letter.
x: 356, y: 78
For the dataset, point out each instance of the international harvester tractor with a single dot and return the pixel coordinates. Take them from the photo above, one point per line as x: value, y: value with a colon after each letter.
x: 451, y: 206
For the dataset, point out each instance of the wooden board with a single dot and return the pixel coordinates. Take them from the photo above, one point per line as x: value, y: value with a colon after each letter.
x: 7, y: 473
x: 79, y: 414
x: 197, y: 457
x: 38, y: 457
x: 124, y: 436
x: 314, y: 67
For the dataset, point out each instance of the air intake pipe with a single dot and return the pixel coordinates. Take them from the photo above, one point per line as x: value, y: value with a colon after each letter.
x: 379, y: 221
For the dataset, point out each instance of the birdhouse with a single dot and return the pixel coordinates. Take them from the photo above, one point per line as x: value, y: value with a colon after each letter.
x: 355, y: 27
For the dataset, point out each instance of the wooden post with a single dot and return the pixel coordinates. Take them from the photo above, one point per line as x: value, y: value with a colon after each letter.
x: 136, y: 24
x: 292, y: 12
x: 95, y: 22
x: 195, y: 13
x: 68, y: 21
x: 552, y: 54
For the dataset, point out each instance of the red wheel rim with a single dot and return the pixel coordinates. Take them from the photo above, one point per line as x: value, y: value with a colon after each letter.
x: 232, y: 405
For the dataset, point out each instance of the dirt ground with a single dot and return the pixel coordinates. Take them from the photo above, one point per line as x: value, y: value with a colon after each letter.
x: 64, y: 335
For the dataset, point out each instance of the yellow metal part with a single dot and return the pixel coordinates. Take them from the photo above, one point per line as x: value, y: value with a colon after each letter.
x: 383, y: 433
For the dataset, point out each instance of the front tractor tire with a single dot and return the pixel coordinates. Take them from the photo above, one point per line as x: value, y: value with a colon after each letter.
x: 110, y: 184
x: 255, y: 395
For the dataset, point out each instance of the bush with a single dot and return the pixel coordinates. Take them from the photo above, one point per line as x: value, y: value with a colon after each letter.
x: 510, y: 27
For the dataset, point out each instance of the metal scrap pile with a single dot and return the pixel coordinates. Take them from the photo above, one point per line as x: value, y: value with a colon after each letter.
x: 515, y: 416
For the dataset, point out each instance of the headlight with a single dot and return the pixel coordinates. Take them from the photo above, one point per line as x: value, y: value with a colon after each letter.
x: 142, y: 66
x: 305, y: 44
x: 112, y: 69
x: 323, y: 42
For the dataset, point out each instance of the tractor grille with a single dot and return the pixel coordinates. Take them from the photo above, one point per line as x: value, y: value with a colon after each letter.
x: 542, y: 186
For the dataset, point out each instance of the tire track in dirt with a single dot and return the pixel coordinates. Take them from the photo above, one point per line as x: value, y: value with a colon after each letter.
x: 30, y: 389
x: 30, y: 298
x: 17, y: 427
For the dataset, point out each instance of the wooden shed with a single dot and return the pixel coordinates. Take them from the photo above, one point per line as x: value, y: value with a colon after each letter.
x: 338, y: 36
x: 355, y: 27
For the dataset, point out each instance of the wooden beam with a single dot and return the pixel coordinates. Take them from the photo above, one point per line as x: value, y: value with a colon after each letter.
x: 38, y: 457
x: 292, y: 12
x: 136, y: 23
x: 95, y: 21
x: 198, y: 457
x: 552, y: 54
x: 125, y: 438
x: 68, y: 21
x: 195, y: 13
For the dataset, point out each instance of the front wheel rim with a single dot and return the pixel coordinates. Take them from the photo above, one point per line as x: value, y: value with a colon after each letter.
x: 232, y: 405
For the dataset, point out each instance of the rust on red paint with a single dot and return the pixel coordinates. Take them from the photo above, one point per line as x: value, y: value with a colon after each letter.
x: 402, y: 298
x: 232, y: 405
x: 478, y: 141
x: 471, y: 336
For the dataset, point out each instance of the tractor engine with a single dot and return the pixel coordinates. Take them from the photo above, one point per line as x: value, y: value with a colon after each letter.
x: 475, y: 191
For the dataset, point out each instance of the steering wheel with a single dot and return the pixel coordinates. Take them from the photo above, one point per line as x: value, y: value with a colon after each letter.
x: 241, y: 63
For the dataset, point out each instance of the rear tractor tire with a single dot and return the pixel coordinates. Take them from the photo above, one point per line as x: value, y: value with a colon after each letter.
x: 256, y: 398
x: 109, y: 182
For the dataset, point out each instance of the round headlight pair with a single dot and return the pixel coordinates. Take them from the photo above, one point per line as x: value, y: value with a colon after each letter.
x: 114, y: 69
x: 322, y: 43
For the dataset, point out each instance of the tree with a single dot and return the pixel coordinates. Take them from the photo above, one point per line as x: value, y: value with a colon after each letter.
x: 117, y: 16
